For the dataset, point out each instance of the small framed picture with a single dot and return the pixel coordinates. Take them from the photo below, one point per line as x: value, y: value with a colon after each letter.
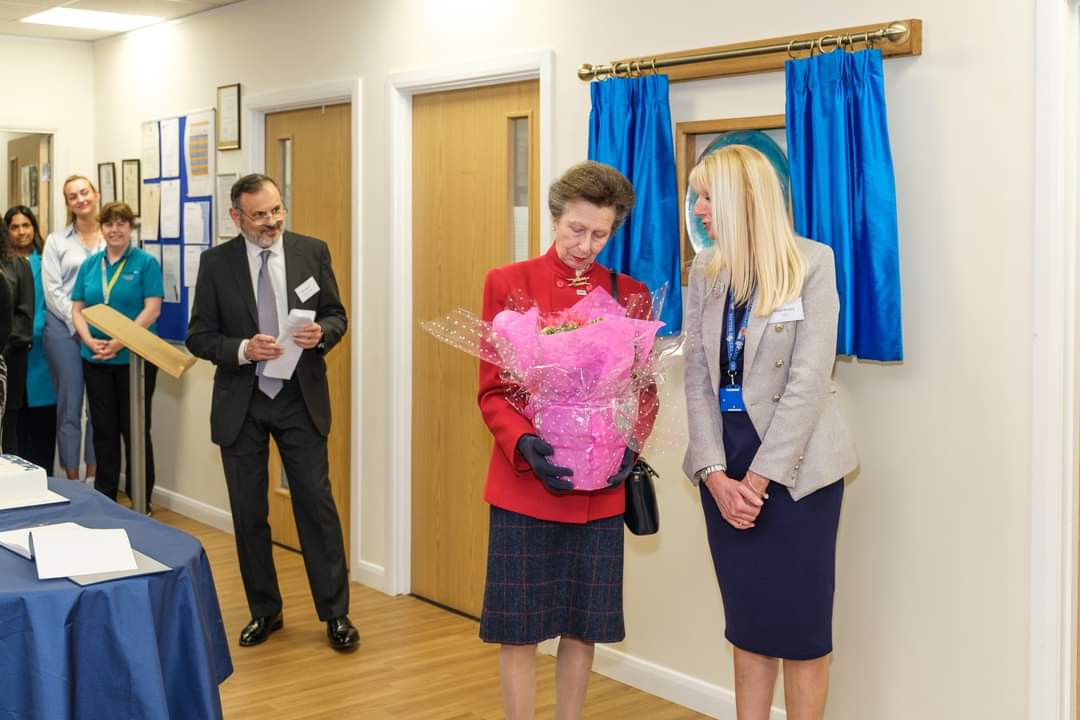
x: 106, y: 173
x: 130, y: 183
x: 228, y: 117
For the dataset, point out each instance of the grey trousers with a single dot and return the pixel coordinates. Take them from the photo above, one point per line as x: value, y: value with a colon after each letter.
x: 65, y: 364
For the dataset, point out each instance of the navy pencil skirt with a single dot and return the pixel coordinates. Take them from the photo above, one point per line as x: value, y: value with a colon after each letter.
x: 777, y: 578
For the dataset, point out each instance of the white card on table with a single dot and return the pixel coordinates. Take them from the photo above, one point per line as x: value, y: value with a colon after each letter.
x: 306, y: 289
x: 69, y: 549
x: 788, y: 313
x: 17, y: 541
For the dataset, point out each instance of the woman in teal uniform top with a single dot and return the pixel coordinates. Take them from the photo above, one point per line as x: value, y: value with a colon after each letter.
x: 127, y: 279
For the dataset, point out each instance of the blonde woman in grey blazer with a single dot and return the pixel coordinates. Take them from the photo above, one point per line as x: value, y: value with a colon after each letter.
x: 768, y: 448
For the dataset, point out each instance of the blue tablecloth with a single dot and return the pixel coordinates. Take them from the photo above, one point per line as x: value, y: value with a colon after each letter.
x: 151, y: 647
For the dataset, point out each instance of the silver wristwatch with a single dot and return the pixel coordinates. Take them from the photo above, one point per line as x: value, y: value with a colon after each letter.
x: 703, y: 474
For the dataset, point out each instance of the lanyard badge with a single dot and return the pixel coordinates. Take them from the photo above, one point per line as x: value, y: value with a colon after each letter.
x: 106, y: 287
x: 731, y: 399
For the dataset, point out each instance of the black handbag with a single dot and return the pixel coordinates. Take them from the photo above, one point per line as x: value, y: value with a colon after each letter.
x: 642, y: 515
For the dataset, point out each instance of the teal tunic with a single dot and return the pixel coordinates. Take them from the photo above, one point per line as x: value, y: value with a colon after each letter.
x: 40, y: 390
x: 140, y: 278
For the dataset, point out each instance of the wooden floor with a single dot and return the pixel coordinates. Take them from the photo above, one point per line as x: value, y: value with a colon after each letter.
x: 415, y: 661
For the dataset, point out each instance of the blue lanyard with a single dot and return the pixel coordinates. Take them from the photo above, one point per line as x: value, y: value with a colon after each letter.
x: 736, y: 341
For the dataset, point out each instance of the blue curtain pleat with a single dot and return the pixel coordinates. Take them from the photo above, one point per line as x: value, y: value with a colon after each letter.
x: 630, y: 129
x: 844, y: 192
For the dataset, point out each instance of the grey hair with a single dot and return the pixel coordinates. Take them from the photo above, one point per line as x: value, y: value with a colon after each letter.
x: 597, y: 183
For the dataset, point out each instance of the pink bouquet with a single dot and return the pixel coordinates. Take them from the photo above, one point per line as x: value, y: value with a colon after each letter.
x: 579, y: 374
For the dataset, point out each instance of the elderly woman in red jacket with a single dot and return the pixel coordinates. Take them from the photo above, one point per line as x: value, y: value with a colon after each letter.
x: 555, y: 556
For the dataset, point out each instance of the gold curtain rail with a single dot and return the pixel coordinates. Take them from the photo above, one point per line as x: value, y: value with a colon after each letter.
x: 895, y: 33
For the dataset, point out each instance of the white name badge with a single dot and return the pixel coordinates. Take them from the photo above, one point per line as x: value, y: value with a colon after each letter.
x: 788, y: 313
x: 308, y: 288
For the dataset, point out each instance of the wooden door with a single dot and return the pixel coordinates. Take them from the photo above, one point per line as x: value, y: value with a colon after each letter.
x: 309, y: 155
x: 28, y: 175
x: 475, y: 177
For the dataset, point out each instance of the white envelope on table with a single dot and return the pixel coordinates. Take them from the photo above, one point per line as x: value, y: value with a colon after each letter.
x: 282, y: 366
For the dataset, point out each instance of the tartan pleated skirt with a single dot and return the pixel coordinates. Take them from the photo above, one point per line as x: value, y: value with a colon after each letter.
x: 549, y: 579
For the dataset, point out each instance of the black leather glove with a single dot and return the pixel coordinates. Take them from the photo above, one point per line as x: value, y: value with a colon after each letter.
x: 625, y: 467
x: 536, y: 452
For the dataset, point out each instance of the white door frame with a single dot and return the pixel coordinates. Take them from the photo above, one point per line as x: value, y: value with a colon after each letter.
x: 1054, y: 409
x: 400, y: 90
x: 254, y: 138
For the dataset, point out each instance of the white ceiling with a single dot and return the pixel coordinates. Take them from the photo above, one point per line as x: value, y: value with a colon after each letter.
x: 11, y: 11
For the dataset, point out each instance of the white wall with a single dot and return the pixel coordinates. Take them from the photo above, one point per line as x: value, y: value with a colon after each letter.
x: 49, y: 87
x: 931, y: 606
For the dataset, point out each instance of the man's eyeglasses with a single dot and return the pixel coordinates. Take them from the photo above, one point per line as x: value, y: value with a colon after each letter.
x: 263, y: 217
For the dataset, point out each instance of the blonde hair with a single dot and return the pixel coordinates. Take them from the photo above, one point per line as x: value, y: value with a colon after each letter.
x: 63, y: 190
x: 754, y: 238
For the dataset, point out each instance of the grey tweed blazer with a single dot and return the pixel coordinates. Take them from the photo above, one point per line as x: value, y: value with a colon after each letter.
x: 787, y: 381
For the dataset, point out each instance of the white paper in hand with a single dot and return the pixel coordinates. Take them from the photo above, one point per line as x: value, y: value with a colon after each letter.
x: 282, y: 366
x: 68, y: 549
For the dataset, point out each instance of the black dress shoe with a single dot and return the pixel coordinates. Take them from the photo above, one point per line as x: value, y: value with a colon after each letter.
x: 342, y: 634
x: 259, y: 629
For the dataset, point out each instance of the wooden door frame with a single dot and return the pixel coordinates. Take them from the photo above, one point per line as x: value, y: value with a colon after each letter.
x: 1055, y: 371
x: 399, y: 93
x: 253, y: 126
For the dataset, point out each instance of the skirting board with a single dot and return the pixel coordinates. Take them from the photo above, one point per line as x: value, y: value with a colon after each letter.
x: 371, y: 575
x: 194, y: 509
x: 698, y: 695
x: 363, y: 572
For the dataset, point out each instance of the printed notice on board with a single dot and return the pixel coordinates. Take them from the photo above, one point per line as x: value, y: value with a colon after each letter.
x: 154, y: 248
x: 170, y: 208
x: 150, y: 205
x: 151, y: 148
x: 192, y: 256
x: 196, y: 223
x: 198, y: 153
x: 170, y: 147
x: 170, y: 271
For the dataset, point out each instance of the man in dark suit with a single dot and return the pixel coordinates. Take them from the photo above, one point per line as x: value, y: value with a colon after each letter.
x: 245, y: 291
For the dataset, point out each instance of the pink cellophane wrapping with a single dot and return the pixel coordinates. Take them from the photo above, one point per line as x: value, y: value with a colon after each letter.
x: 580, y: 381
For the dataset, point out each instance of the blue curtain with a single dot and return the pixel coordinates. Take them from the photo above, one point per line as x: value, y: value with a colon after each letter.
x: 630, y: 129
x: 844, y: 193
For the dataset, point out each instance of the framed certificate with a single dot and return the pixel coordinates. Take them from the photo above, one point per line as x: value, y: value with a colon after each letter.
x: 228, y: 117
x: 130, y: 183
x: 106, y: 173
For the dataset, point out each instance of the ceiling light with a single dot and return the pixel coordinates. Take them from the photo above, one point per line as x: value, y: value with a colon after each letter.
x: 90, y: 19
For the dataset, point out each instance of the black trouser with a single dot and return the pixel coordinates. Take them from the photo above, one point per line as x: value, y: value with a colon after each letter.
x: 304, y: 455
x: 16, y: 361
x: 108, y: 391
x: 37, y: 436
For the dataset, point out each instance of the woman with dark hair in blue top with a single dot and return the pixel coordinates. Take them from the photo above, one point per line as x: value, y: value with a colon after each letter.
x: 36, y: 419
x: 127, y: 279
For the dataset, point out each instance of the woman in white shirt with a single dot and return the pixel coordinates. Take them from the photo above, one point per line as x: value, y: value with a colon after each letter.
x: 65, y: 252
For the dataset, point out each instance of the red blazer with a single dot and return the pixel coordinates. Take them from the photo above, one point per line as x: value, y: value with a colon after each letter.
x: 511, y: 484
